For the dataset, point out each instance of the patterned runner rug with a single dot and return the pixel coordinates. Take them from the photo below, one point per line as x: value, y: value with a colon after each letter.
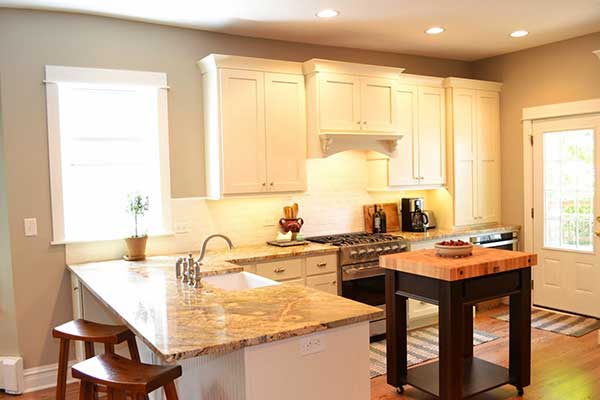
x: 422, y: 346
x: 565, y: 324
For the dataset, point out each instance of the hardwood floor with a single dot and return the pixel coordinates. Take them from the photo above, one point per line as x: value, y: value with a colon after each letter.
x: 563, y: 368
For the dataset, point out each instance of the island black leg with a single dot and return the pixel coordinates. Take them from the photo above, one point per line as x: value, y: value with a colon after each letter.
x: 396, y: 325
x: 451, y: 341
x: 468, y: 332
x: 520, y: 333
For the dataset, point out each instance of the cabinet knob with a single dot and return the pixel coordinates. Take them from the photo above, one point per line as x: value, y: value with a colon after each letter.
x: 264, y: 184
x: 272, y: 183
x: 364, y: 122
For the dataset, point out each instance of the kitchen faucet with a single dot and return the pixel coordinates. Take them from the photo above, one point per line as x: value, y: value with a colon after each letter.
x: 188, y: 269
x: 203, y: 251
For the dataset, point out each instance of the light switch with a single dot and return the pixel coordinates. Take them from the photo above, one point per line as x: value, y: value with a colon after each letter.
x: 30, y: 226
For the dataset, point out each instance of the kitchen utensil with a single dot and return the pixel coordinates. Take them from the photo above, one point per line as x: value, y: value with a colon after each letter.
x: 295, y: 210
x: 391, y: 213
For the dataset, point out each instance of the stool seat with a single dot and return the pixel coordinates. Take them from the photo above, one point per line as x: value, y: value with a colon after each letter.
x: 122, y: 374
x: 88, y: 331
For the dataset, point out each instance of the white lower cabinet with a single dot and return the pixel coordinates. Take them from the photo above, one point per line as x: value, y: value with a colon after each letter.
x: 326, y: 283
x: 317, y: 272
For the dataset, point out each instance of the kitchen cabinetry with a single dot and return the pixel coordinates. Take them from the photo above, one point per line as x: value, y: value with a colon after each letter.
x: 473, y: 109
x: 317, y: 272
x: 419, y: 160
x: 255, y: 129
x: 348, y: 101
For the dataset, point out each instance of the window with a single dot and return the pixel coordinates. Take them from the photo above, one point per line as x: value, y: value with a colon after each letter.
x: 569, y: 189
x: 108, y: 139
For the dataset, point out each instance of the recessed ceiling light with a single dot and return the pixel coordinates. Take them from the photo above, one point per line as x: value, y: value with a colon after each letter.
x: 435, y: 30
x: 328, y: 13
x: 519, y: 33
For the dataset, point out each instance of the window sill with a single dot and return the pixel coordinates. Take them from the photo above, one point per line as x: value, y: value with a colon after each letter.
x: 63, y: 242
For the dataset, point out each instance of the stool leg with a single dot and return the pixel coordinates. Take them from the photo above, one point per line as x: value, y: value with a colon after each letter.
x: 89, y: 350
x: 63, y: 361
x: 109, y: 348
x: 170, y: 391
x: 86, y: 391
x: 119, y: 395
x: 133, y: 349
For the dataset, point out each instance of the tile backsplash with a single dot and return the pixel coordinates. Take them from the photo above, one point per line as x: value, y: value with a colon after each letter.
x: 332, y: 203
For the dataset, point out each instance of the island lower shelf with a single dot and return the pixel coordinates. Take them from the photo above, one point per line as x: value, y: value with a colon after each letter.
x: 479, y: 376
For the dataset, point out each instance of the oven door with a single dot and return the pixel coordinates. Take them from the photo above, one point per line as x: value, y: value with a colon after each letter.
x: 512, y: 244
x: 364, y: 283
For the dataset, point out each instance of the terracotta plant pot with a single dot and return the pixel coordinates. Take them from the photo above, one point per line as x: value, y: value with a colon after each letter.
x: 136, y: 248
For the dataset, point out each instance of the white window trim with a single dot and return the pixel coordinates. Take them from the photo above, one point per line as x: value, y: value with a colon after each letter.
x: 61, y: 74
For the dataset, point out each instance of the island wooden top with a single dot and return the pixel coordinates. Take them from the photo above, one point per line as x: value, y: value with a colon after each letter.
x: 483, y: 262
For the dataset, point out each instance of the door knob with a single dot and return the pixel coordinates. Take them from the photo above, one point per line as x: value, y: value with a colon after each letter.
x: 597, y: 233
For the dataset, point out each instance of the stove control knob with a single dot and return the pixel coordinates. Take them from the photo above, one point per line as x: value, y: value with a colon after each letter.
x: 362, y: 252
x: 379, y: 250
x: 395, y: 247
x: 387, y: 249
x: 353, y: 254
x: 371, y: 251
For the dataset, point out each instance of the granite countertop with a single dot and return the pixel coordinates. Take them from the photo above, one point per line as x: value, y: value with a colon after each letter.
x: 434, y: 234
x: 178, y: 322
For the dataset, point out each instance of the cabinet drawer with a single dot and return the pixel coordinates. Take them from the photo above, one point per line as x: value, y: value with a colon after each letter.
x: 316, y: 265
x: 296, y: 282
x: 281, y: 269
x: 326, y: 283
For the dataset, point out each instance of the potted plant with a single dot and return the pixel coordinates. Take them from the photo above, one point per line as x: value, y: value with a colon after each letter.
x: 136, y: 245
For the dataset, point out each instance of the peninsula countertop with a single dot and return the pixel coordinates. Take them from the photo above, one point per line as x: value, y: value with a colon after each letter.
x: 178, y: 322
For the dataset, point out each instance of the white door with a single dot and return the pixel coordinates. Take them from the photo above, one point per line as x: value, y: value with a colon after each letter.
x: 432, y: 136
x: 404, y: 169
x: 243, y: 127
x: 286, y: 132
x: 566, y: 156
x: 464, y: 119
x: 488, y: 156
x: 377, y: 108
x: 339, y: 102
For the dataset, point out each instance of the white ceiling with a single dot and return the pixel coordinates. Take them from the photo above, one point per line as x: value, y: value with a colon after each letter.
x: 474, y: 28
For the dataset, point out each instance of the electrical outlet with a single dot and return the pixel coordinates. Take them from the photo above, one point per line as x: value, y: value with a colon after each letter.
x: 30, y: 226
x: 312, y: 344
x: 183, y: 227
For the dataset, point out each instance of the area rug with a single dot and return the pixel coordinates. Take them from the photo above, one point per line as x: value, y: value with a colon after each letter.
x: 565, y: 324
x: 422, y: 346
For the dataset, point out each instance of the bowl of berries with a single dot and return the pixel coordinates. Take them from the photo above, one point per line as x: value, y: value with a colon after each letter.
x: 454, y: 248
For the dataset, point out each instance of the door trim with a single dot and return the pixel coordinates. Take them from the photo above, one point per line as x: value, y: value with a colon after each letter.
x: 530, y: 115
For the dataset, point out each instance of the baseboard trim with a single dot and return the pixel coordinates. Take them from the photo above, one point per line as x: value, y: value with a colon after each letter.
x: 44, y: 377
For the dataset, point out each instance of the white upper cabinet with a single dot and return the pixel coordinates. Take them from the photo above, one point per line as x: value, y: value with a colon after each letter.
x: 339, y: 102
x: 255, y: 125
x: 346, y: 100
x: 473, y: 109
x: 419, y: 160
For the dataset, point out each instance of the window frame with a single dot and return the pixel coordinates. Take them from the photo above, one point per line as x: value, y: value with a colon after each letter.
x: 54, y: 75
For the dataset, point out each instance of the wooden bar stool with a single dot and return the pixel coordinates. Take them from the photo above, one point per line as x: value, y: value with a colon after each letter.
x: 122, y: 376
x: 89, y: 333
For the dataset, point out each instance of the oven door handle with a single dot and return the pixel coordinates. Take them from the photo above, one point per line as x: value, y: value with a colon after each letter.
x: 496, y: 244
x: 353, y: 273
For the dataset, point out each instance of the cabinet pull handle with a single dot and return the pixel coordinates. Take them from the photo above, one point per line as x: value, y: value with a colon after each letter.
x: 264, y: 184
x: 333, y: 282
x: 364, y: 122
x: 321, y: 265
x: 279, y: 270
x: 357, y: 122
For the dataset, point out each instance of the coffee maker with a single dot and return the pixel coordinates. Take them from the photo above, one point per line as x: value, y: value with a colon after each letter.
x: 413, y: 217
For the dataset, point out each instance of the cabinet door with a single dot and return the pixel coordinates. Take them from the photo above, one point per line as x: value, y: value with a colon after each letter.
x: 243, y: 131
x: 464, y: 108
x: 377, y: 105
x: 339, y: 102
x: 488, y: 157
x: 432, y: 136
x: 403, y: 166
x: 285, y: 121
x: 326, y: 283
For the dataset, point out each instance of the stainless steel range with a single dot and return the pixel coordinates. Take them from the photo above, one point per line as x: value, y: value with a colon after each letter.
x: 361, y: 277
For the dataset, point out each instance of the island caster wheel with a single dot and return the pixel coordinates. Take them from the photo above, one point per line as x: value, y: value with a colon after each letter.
x: 520, y: 391
x: 400, y: 389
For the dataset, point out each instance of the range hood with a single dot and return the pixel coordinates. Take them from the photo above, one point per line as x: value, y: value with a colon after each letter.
x: 351, y: 107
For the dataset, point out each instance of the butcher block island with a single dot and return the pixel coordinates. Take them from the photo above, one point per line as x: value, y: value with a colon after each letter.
x: 455, y: 285
x: 238, y: 337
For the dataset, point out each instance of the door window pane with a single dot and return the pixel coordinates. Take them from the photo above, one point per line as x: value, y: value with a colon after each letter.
x: 569, y: 178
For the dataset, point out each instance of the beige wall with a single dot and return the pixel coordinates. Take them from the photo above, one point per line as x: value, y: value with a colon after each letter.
x: 554, y: 73
x: 31, y: 39
x: 8, y: 323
